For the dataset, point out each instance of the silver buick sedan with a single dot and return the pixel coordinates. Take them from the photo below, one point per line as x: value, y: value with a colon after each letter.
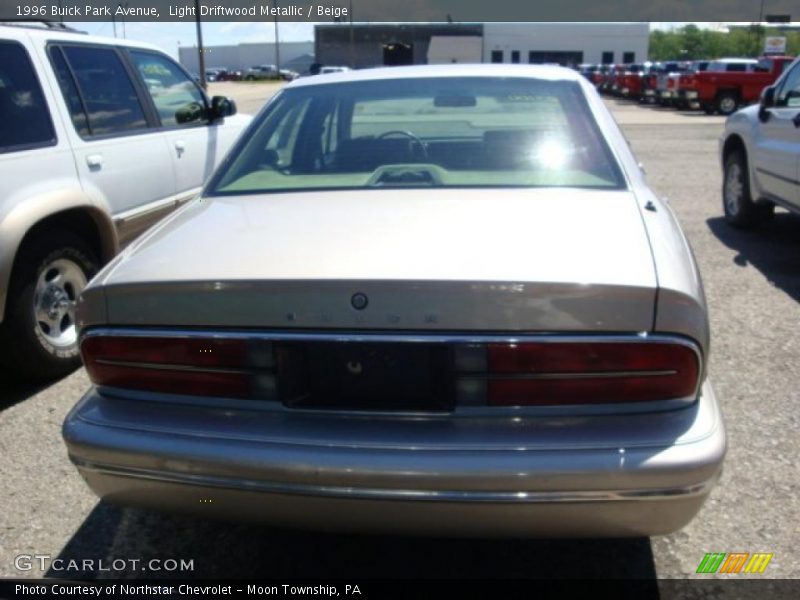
x: 435, y: 300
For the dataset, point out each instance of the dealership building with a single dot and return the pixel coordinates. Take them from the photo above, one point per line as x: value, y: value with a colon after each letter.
x: 369, y: 45
x: 297, y: 56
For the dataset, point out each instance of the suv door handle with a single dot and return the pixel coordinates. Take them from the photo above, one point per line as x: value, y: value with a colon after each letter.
x: 796, y: 120
x: 180, y: 146
x: 95, y: 161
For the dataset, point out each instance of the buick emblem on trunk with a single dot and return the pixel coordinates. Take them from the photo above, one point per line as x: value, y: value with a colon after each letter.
x: 359, y: 301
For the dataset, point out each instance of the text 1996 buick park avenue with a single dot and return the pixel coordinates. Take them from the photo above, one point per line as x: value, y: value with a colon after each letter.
x: 416, y: 299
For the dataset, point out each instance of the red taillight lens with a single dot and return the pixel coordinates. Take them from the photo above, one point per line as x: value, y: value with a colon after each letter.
x: 167, y: 381
x: 190, y: 365
x: 197, y: 352
x: 533, y: 374
x: 540, y: 372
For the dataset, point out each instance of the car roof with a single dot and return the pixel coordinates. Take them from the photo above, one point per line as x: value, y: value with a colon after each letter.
x: 34, y: 32
x: 734, y: 60
x: 461, y: 70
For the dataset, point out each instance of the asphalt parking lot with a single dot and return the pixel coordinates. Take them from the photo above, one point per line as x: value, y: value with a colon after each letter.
x: 753, y: 286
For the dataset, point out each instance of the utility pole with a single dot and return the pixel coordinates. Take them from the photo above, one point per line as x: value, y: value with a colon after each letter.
x: 120, y: 5
x: 277, y: 45
x: 352, y: 39
x: 201, y: 60
x: 759, y: 41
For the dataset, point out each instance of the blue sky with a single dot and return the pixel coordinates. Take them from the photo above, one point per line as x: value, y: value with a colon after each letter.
x: 170, y: 35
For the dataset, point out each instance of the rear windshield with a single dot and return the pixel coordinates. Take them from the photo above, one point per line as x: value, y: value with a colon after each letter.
x: 446, y: 132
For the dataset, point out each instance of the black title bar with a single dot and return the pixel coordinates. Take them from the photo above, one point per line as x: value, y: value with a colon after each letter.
x: 462, y: 11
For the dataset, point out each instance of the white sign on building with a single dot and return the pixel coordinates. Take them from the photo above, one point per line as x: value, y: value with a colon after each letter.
x: 774, y: 45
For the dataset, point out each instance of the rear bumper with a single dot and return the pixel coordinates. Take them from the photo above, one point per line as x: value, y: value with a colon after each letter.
x: 612, y: 475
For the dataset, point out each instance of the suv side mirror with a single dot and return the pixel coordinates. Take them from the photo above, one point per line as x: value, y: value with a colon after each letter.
x: 221, y: 107
x: 766, y: 102
x: 193, y: 111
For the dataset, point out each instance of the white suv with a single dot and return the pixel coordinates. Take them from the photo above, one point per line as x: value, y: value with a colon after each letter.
x: 99, y: 138
x: 760, y: 150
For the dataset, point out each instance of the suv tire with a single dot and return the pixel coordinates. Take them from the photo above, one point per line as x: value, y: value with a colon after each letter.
x: 38, y: 337
x: 740, y: 210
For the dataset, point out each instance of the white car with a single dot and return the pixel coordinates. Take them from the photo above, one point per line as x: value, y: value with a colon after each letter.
x: 760, y: 151
x: 99, y: 138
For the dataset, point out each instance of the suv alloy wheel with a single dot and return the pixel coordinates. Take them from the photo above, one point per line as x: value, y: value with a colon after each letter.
x: 39, y: 335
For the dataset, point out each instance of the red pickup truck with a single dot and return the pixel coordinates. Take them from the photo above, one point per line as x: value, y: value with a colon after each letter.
x: 730, y: 83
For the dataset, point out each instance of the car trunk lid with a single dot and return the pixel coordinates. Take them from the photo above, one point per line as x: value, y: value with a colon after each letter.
x: 417, y: 259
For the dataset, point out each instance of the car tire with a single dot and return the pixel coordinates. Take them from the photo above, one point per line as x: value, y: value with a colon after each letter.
x: 740, y: 209
x: 38, y: 340
x: 727, y: 103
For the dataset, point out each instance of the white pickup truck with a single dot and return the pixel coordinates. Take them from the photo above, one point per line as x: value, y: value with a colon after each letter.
x: 760, y: 151
x: 99, y: 138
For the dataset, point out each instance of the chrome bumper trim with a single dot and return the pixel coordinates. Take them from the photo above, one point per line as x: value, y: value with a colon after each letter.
x: 537, y: 497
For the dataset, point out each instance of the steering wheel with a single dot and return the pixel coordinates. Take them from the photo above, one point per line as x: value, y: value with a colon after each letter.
x: 412, y: 136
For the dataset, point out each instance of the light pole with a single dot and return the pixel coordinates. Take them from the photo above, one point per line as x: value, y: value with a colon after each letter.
x: 201, y: 60
x: 120, y: 5
x: 277, y: 46
x: 758, y: 28
x: 352, y: 41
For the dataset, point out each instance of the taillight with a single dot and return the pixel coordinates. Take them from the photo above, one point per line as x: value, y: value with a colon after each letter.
x: 530, y: 372
x: 210, y: 366
x: 567, y: 373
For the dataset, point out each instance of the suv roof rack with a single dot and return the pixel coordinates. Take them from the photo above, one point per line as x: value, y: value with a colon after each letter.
x: 42, y: 24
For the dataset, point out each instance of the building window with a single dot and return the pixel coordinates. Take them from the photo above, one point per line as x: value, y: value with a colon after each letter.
x: 608, y: 58
x: 515, y: 56
x: 497, y: 56
x: 628, y: 57
x: 560, y: 57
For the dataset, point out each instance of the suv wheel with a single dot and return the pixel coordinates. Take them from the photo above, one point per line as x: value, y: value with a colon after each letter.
x: 727, y: 102
x: 39, y: 338
x: 740, y: 210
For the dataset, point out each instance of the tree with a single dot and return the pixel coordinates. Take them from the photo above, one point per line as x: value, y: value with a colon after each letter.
x: 691, y: 43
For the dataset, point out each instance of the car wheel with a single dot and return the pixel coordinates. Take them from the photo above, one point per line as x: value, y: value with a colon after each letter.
x: 740, y: 210
x: 727, y: 104
x: 39, y: 338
